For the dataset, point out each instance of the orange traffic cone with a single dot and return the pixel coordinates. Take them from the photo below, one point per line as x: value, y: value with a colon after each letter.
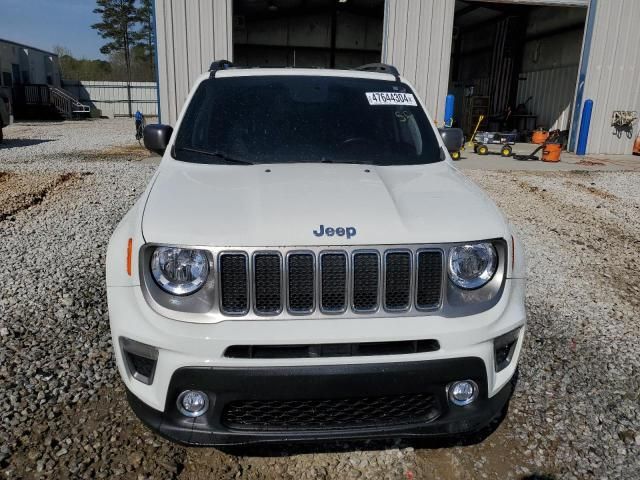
x: 636, y: 145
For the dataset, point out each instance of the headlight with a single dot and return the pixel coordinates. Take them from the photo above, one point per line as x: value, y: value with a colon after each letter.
x: 179, y: 271
x: 472, y: 266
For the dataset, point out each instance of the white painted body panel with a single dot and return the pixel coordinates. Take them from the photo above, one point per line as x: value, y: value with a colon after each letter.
x: 231, y: 206
x: 223, y: 205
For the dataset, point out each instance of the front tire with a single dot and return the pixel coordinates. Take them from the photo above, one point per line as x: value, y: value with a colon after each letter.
x: 455, y: 155
x: 483, y: 150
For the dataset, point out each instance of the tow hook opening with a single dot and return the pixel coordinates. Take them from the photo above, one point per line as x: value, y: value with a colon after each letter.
x: 504, y: 347
x: 140, y: 359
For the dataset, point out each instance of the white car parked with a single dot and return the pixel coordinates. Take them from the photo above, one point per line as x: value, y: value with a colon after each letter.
x: 307, y: 264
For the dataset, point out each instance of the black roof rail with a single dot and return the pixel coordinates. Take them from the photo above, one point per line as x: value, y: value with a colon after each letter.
x: 219, y: 65
x: 380, y: 68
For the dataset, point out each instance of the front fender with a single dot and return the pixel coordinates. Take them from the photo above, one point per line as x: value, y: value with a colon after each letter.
x: 117, y: 250
x: 519, y: 267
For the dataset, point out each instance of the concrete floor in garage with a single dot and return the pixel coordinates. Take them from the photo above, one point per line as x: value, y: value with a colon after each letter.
x: 568, y: 161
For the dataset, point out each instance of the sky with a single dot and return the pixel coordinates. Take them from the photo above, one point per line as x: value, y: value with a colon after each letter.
x: 46, y: 23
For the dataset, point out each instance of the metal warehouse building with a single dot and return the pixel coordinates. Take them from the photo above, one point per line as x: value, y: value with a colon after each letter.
x: 519, y: 63
x: 21, y: 64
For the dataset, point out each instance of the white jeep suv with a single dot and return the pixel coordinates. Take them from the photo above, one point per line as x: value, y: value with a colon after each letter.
x: 307, y: 264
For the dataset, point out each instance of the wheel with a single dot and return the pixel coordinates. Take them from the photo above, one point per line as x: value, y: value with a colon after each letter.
x: 455, y: 155
x: 483, y: 150
x: 506, y: 151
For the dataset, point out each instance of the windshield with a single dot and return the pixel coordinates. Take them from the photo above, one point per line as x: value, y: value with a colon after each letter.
x: 298, y: 119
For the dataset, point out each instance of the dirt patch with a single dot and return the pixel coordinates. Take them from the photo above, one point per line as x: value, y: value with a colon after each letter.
x: 592, y: 190
x: 528, y: 187
x: 19, y: 192
x: 585, y: 232
x: 589, y: 163
x: 133, y: 152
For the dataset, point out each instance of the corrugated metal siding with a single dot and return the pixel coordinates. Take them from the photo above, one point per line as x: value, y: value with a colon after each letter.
x: 190, y: 35
x: 552, y: 91
x: 550, y: 3
x: 417, y: 41
x: 481, y: 86
x: 613, y: 71
x: 111, y: 97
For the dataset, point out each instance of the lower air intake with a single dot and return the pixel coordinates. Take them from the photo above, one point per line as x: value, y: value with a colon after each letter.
x: 330, y: 414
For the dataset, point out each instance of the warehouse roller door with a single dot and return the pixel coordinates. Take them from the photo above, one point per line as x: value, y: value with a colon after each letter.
x: 302, y: 33
x: 516, y: 64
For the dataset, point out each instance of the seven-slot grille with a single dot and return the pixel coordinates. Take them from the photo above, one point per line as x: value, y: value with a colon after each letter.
x: 332, y: 281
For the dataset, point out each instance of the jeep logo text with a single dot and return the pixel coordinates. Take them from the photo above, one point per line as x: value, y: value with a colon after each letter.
x: 339, y: 231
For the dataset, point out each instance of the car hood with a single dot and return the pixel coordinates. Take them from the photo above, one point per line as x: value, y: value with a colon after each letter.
x: 286, y: 204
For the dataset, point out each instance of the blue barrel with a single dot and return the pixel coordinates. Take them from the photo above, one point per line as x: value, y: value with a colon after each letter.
x: 448, y: 110
x: 585, y: 123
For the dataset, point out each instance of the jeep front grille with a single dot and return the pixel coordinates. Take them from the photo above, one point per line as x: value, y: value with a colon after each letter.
x: 234, y: 283
x: 301, y: 282
x: 268, y: 279
x: 333, y: 281
x: 366, y: 281
x: 428, y: 279
x: 397, y: 291
x: 330, y: 282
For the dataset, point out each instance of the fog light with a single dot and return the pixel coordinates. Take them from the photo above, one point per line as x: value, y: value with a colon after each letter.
x: 193, y: 403
x: 463, y: 392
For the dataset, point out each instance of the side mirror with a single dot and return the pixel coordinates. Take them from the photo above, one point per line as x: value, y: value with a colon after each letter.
x: 156, y: 137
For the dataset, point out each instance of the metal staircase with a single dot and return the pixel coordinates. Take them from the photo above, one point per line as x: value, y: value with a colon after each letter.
x: 67, y: 104
x: 45, y: 100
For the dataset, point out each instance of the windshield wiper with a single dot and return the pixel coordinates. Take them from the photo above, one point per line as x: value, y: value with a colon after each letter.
x: 221, y: 155
x: 353, y: 162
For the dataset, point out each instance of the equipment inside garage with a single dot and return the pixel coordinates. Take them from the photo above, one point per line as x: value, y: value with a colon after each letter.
x: 515, y: 66
x: 307, y: 33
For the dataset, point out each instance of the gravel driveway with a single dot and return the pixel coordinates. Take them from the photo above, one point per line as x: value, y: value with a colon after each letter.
x: 64, y: 187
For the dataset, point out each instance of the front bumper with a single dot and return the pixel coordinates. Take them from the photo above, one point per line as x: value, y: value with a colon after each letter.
x: 338, y: 394
x: 191, y: 356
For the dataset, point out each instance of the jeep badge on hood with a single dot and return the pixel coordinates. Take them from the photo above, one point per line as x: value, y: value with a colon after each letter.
x: 339, y: 231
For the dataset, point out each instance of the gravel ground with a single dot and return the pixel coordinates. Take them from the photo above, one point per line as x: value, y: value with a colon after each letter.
x: 63, y: 188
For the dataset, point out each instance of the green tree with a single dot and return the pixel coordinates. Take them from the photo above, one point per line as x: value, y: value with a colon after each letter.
x: 81, y: 69
x: 119, y: 18
x: 145, y: 36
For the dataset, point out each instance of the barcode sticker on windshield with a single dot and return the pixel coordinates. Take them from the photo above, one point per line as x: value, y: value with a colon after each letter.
x: 391, y: 98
